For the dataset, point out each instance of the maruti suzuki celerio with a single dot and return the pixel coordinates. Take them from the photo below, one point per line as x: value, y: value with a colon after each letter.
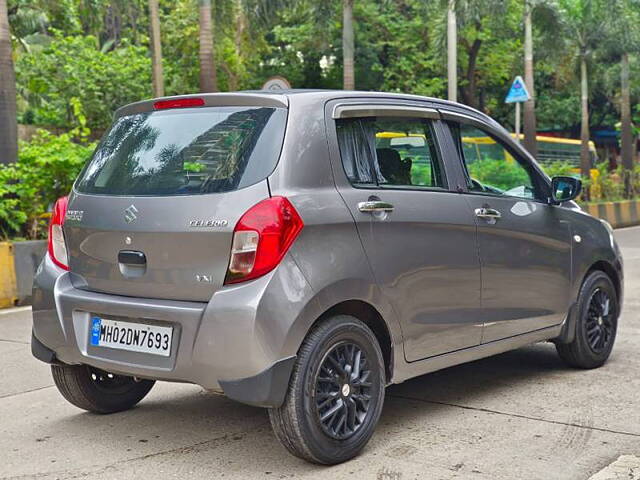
x: 301, y: 250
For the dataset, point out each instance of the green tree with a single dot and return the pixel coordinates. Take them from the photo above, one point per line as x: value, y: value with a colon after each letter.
x: 47, y: 167
x: 624, y: 40
x: 8, y: 119
x: 28, y: 24
x: 74, y: 68
x: 488, y: 24
x: 584, y: 27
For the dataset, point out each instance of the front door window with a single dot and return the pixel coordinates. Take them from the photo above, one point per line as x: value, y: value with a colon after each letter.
x: 490, y: 166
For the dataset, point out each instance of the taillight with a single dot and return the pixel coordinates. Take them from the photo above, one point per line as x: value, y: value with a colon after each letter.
x: 261, y: 238
x: 178, y: 103
x: 57, y: 247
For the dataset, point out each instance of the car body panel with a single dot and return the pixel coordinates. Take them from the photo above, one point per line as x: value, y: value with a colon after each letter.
x: 184, y: 261
x: 528, y: 288
x: 422, y: 254
x: 223, y: 339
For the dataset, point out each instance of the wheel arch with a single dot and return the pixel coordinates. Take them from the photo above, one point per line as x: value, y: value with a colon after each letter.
x: 606, y: 267
x: 366, y: 313
x: 360, y: 299
x: 569, y: 329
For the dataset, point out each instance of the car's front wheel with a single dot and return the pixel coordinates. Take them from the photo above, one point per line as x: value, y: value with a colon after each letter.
x: 335, y: 394
x: 98, y: 391
x: 596, y: 323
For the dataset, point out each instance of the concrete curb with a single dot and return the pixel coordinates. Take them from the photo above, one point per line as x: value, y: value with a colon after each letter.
x: 625, y: 213
x: 626, y: 467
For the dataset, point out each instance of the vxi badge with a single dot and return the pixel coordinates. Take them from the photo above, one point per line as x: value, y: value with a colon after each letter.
x: 208, y: 223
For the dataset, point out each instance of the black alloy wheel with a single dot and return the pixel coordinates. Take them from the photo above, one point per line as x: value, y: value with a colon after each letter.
x: 596, y: 322
x: 335, y: 394
x: 599, y: 321
x: 343, y: 390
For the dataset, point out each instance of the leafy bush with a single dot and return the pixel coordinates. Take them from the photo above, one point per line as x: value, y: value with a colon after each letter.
x: 499, y: 173
x: 559, y: 168
x: 604, y: 184
x: 46, y: 168
x: 74, y: 67
x: 421, y: 174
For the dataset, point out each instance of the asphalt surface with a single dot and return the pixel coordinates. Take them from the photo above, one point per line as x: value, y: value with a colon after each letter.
x: 520, y: 415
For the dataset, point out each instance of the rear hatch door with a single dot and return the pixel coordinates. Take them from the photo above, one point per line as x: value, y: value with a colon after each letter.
x: 153, y: 212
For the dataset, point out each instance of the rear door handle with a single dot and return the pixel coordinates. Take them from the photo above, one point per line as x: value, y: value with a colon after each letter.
x: 375, y: 206
x: 488, y: 213
x: 132, y: 257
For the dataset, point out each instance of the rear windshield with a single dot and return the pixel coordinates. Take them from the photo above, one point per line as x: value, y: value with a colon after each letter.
x: 186, y: 152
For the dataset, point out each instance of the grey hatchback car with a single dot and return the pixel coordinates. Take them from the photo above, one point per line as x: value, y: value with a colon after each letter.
x: 302, y: 250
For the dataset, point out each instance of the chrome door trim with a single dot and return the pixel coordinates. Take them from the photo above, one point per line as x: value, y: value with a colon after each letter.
x: 488, y: 213
x: 375, y: 206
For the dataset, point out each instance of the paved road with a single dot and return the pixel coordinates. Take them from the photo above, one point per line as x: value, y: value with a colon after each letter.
x: 520, y: 415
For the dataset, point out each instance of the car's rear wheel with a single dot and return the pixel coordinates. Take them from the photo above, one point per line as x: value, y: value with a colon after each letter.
x: 335, y: 394
x: 98, y: 391
x: 596, y: 323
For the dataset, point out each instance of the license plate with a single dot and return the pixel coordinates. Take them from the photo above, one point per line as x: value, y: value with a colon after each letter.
x: 135, y: 337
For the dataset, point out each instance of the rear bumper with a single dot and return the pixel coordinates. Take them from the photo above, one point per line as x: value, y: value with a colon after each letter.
x: 235, y: 343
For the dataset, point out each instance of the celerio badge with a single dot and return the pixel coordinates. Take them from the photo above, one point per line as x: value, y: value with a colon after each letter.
x: 208, y: 223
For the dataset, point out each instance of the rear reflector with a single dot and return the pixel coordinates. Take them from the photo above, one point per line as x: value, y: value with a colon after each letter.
x: 178, y: 103
x: 261, y: 238
x: 57, y: 247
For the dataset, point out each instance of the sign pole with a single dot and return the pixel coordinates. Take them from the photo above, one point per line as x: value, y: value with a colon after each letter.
x: 518, y: 122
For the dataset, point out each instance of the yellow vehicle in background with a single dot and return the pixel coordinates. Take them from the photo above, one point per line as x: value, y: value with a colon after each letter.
x: 550, y: 149
x: 554, y: 149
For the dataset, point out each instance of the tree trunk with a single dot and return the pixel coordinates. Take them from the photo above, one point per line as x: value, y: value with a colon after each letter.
x: 530, y: 128
x: 208, y: 76
x: 241, y: 25
x: 349, y: 82
x: 470, y: 90
x: 156, y: 50
x: 627, y: 136
x: 452, y: 52
x: 585, y: 163
x: 8, y: 120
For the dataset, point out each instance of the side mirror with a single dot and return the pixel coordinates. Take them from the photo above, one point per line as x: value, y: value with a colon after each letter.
x: 564, y: 189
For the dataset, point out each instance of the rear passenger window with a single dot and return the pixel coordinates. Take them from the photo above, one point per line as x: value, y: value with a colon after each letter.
x: 394, y: 152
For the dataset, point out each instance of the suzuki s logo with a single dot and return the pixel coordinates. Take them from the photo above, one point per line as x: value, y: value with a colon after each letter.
x: 130, y: 213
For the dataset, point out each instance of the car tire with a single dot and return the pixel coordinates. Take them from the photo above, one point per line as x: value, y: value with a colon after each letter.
x: 98, y: 391
x: 335, y: 394
x: 596, y: 323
